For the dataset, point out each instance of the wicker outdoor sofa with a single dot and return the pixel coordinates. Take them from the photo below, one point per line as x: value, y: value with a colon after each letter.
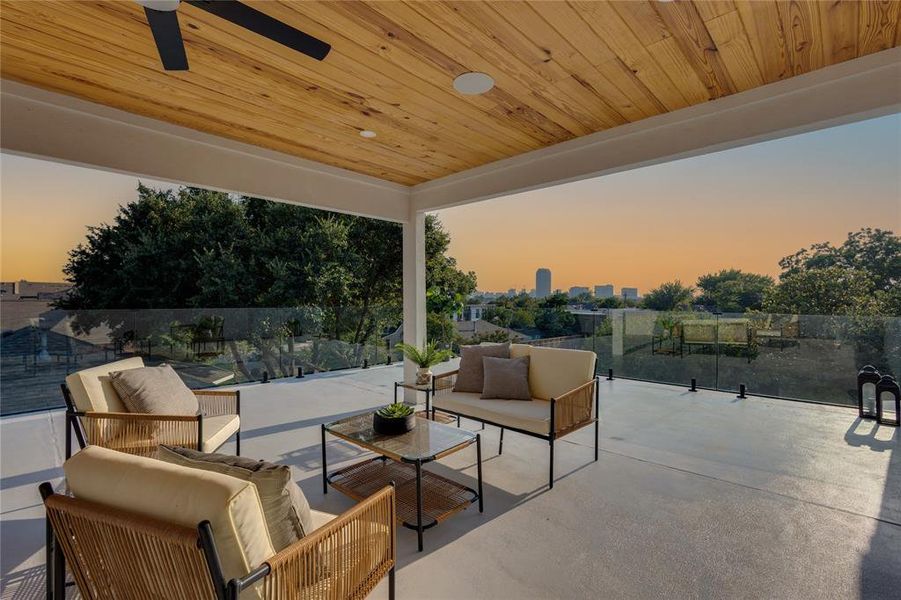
x: 564, y: 398
x: 137, y: 527
x: 97, y: 416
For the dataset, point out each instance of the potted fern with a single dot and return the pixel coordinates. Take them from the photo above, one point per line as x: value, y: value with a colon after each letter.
x: 425, y: 359
x: 393, y: 419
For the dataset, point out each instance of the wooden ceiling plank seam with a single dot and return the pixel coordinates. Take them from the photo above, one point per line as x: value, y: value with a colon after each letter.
x: 764, y: 26
x: 731, y: 40
x: 500, y: 61
x: 800, y: 26
x: 534, y: 59
x: 531, y: 24
x: 627, y: 98
x: 61, y: 40
x: 158, y: 108
x: 711, y: 9
x: 502, y: 68
x: 304, y: 84
x: 386, y: 105
x: 506, y: 68
x: 838, y: 26
x: 878, y: 20
x: 507, y: 105
x: 465, y: 111
x: 607, y: 24
x: 691, y: 34
x: 664, y: 49
x: 312, y: 115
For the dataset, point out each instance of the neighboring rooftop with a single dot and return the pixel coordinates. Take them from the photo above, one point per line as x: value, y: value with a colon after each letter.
x: 694, y: 495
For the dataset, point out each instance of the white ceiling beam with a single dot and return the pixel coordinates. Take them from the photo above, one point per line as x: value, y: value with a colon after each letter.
x: 46, y: 125
x: 859, y: 89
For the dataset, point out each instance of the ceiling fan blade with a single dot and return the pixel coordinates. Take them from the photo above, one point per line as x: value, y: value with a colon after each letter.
x: 264, y: 25
x: 167, y: 35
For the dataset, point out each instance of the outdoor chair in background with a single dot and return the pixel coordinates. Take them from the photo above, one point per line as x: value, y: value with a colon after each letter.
x: 97, y: 416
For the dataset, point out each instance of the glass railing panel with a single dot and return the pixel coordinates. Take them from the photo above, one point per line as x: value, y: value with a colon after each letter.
x: 206, y: 346
x: 665, y: 347
x: 810, y: 357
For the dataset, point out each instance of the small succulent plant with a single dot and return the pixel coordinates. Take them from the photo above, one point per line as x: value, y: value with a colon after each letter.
x: 398, y: 410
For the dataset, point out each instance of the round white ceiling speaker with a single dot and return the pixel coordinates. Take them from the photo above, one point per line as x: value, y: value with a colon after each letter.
x: 368, y: 133
x: 473, y: 83
x: 160, y: 5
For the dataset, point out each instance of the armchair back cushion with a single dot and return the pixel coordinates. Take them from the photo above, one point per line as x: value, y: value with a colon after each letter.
x: 154, y: 390
x: 92, y: 389
x: 286, y: 509
x: 179, y: 495
x: 555, y: 371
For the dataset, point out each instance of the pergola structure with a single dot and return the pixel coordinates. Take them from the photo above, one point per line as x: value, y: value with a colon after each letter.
x: 582, y: 89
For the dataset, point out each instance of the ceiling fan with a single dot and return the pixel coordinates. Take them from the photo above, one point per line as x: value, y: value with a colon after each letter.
x: 163, y: 20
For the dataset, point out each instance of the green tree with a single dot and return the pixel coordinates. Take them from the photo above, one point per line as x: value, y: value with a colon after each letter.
x: 198, y: 248
x: 862, y: 276
x: 831, y: 290
x: 732, y: 290
x: 668, y: 296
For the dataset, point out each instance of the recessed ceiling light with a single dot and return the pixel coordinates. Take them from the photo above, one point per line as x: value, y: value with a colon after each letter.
x: 473, y: 83
x: 367, y: 133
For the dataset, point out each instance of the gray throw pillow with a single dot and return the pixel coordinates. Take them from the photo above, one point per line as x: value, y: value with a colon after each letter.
x: 471, y: 372
x: 285, y: 508
x: 507, y: 378
x: 155, y: 390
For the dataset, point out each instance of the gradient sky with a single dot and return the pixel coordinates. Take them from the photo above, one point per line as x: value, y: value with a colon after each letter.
x: 743, y: 208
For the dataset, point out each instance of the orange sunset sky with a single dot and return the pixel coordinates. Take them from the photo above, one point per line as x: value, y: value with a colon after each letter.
x: 743, y: 208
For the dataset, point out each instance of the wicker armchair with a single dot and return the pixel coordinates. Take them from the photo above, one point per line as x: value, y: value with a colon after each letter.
x: 96, y: 415
x: 116, y: 554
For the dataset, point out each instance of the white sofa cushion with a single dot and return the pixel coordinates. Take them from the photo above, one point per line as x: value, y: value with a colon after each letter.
x: 528, y: 415
x: 91, y: 388
x: 180, y: 495
x: 217, y: 430
x: 555, y: 371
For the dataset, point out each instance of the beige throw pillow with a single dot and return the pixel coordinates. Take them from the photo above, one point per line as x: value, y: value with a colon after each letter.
x: 506, y: 378
x: 287, y: 512
x: 155, y: 390
x: 471, y: 373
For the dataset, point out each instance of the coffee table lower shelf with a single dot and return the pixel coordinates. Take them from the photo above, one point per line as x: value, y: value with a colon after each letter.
x: 441, y: 497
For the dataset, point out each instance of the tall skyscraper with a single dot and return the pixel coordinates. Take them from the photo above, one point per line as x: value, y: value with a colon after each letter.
x: 542, y: 283
x: 604, y: 291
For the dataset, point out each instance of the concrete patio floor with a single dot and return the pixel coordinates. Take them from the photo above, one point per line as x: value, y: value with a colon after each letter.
x: 695, y: 495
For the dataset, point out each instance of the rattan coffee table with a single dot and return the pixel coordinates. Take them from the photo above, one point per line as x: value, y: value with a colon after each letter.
x: 423, y: 498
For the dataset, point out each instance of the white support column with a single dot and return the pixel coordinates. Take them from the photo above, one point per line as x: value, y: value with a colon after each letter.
x: 414, y: 291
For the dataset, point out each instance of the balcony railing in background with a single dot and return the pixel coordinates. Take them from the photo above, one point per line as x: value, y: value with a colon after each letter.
x: 207, y: 347
x: 800, y: 357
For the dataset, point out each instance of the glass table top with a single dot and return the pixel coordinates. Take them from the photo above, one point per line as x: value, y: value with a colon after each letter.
x: 428, y: 440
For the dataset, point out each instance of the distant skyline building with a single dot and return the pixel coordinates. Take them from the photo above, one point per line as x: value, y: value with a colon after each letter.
x: 604, y: 291
x: 542, y: 283
x: 577, y: 291
x: 630, y: 293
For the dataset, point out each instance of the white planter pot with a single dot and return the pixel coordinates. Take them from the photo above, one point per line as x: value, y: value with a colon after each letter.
x: 423, y: 375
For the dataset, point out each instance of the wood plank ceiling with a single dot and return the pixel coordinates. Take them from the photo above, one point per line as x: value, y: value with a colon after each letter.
x: 563, y: 69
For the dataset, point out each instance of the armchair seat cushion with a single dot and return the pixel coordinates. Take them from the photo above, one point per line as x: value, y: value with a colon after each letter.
x: 528, y: 415
x: 156, y: 489
x: 217, y: 430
